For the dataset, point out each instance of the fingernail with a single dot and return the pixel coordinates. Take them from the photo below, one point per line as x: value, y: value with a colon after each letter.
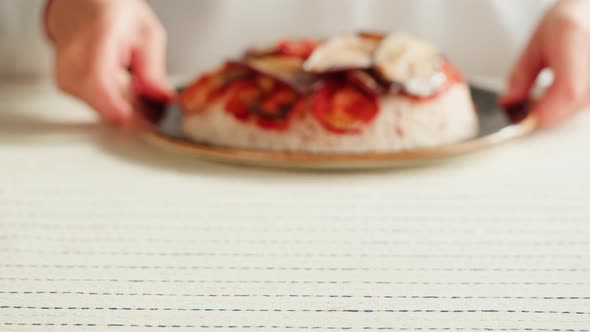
x: 518, y: 111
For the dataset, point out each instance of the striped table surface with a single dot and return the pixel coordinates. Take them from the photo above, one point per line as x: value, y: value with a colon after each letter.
x: 99, y: 232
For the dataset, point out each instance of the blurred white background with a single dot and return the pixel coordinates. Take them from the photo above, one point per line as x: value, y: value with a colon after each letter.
x: 482, y: 36
x: 23, y: 49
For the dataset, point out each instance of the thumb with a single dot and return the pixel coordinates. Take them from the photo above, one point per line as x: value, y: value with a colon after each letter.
x: 149, y: 70
x: 569, y: 92
x: 524, y: 74
x: 556, y: 105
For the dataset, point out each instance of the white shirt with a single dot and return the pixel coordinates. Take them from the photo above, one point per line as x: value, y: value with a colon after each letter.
x: 482, y: 36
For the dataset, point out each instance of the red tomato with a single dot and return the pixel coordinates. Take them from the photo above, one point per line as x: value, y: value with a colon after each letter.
x: 297, y: 48
x: 197, y: 95
x: 270, y: 104
x: 298, y: 108
x: 276, y: 111
x: 209, y: 88
x: 280, y: 98
x: 342, y: 108
x: 241, y: 96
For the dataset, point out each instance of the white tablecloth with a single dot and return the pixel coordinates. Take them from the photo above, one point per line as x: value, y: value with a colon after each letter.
x: 99, y: 232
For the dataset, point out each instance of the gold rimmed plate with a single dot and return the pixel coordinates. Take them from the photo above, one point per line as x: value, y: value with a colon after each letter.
x: 164, y: 130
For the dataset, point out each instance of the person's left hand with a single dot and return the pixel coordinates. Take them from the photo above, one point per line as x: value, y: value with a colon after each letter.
x: 561, y: 43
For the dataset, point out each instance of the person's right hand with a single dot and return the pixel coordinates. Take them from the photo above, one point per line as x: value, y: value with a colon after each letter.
x: 108, y: 52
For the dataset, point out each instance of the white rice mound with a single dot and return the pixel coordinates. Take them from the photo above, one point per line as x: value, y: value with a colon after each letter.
x: 402, y: 124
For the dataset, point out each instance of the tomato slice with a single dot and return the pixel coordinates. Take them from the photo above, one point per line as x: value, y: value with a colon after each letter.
x: 277, y: 109
x: 275, y: 102
x: 342, y: 108
x: 241, y: 96
x: 302, y: 48
x: 283, y: 124
x: 267, y: 102
x: 198, y: 94
x: 209, y: 88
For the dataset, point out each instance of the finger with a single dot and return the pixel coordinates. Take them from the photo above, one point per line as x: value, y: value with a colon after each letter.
x: 108, y: 94
x: 565, y: 97
x: 149, y: 67
x: 555, y: 106
x: 524, y: 74
x: 102, y: 83
x: 571, y: 88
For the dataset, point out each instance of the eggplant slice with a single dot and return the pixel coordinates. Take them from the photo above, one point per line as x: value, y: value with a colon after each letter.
x: 347, y: 52
x: 285, y: 69
x: 413, y: 62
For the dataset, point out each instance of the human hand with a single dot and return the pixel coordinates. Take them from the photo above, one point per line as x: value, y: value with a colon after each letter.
x: 108, y: 52
x: 561, y: 43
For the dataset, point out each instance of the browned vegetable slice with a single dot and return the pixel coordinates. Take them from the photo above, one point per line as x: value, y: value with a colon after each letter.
x: 210, y: 87
x: 342, y: 53
x: 288, y: 70
x: 367, y: 82
x: 413, y: 62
